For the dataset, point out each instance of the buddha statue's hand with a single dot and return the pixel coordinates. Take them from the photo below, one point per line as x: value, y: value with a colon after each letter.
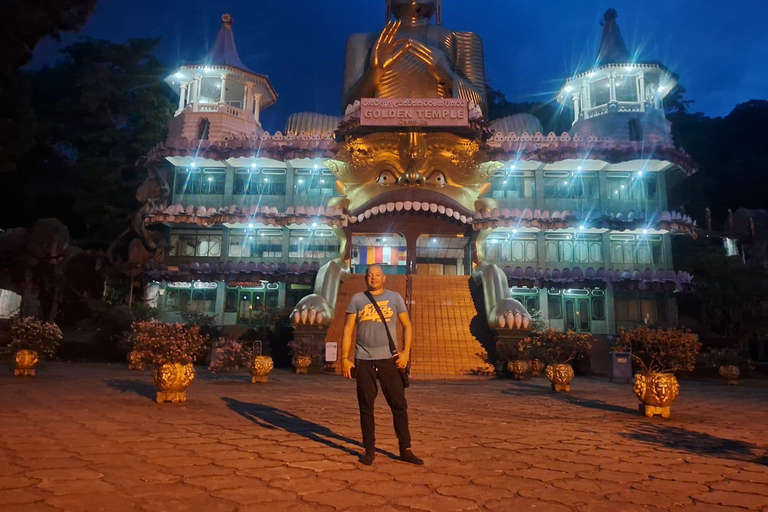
x: 437, y: 62
x: 386, y: 51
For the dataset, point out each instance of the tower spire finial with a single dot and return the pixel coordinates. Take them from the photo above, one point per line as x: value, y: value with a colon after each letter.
x: 226, y: 20
x: 613, y: 50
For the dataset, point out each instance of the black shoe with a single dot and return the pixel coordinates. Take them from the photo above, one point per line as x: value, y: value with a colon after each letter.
x: 408, y: 456
x: 367, y: 459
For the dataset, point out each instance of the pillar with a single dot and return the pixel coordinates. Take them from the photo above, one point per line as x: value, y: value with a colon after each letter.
x: 585, y: 103
x: 641, y: 90
x: 222, y: 97
x: 256, y: 107
x: 182, y: 96
x: 576, y: 106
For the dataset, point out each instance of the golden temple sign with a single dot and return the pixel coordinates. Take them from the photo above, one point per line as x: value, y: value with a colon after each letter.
x: 413, y: 112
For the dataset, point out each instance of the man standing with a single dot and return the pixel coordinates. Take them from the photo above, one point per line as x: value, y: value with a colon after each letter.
x: 373, y: 360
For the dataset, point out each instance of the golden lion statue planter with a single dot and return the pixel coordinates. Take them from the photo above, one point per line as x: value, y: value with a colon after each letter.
x: 560, y: 375
x: 656, y: 392
x: 172, y: 380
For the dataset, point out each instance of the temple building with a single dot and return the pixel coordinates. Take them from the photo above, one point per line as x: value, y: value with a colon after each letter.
x: 472, y: 219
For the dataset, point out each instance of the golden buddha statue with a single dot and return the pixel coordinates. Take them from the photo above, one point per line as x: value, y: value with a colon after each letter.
x: 412, y: 58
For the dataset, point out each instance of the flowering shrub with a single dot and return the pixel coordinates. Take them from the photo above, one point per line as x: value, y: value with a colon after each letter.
x: 159, y: 343
x: 232, y: 355
x: 660, y: 350
x: 32, y: 334
x: 558, y: 347
x: 306, y: 347
x: 715, y: 357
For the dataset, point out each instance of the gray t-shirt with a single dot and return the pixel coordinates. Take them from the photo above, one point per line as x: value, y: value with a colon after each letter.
x: 372, y: 341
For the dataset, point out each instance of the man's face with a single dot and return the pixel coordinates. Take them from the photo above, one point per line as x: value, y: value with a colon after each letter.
x: 375, y: 279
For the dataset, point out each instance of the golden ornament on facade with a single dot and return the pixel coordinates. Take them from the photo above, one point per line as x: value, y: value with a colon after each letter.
x: 560, y: 375
x: 656, y: 392
x: 260, y: 368
x: 301, y: 363
x: 172, y: 380
x: 730, y: 373
x: 518, y: 368
x: 384, y: 166
x: 536, y: 366
x: 25, y: 361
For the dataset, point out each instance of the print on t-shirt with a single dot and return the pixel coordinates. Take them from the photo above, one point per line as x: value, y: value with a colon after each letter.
x: 369, y: 313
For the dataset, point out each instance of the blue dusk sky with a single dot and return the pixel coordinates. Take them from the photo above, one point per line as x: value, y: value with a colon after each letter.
x: 719, y: 49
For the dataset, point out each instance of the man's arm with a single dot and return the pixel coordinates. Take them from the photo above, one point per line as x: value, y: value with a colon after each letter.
x: 404, y: 356
x: 346, y: 346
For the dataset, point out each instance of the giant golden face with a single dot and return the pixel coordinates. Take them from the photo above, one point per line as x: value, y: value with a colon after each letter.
x: 440, y: 169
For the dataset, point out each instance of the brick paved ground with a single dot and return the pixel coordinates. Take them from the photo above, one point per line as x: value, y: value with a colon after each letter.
x: 89, y: 437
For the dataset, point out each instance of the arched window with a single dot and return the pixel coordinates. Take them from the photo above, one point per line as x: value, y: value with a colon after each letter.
x: 203, y: 128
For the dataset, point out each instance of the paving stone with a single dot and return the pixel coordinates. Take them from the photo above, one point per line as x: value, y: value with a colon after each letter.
x: 343, y: 499
x: 58, y: 487
x: 16, y: 482
x: 520, y: 504
x: 65, y: 474
x: 255, y: 494
x: 25, y: 495
x: 733, y: 499
x: 390, y: 489
x: 94, y: 502
x: 436, y: 502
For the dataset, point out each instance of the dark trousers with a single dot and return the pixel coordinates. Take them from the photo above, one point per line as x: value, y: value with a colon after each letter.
x: 392, y: 386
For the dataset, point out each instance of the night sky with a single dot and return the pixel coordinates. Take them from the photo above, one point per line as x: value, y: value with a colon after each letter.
x: 719, y: 49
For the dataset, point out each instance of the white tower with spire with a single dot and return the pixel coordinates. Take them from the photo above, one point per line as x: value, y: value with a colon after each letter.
x: 619, y: 97
x: 219, y: 98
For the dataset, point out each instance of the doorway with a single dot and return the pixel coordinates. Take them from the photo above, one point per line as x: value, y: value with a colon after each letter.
x: 388, y: 250
x: 442, y: 255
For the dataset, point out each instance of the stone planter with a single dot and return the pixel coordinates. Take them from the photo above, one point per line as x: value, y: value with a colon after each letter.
x: 301, y: 363
x: 134, y: 361
x: 656, y: 392
x: 260, y: 368
x: 730, y: 373
x: 172, y: 380
x: 24, y: 363
x: 536, y: 366
x: 560, y: 375
x: 518, y: 368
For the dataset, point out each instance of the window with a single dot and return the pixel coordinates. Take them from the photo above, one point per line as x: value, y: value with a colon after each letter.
x: 210, y: 89
x: 639, y: 310
x: 511, y: 247
x: 566, y: 248
x: 203, y: 129
x: 263, y: 243
x: 250, y: 300
x: 513, y: 185
x: 554, y: 304
x: 598, y: 305
x: 210, y: 180
x: 625, y: 185
x: 321, y: 243
x: 318, y: 183
x: 637, y: 249
x: 571, y: 185
x: 528, y: 297
x: 188, y: 299
x: 234, y: 96
x: 195, y: 243
x: 600, y: 92
x: 268, y: 182
x: 626, y: 89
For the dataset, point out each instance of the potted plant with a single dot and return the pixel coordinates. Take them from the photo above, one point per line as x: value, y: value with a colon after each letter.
x: 727, y: 361
x: 558, y: 349
x: 234, y: 354
x: 171, y: 349
x: 304, y: 351
x: 658, y: 353
x: 32, y: 339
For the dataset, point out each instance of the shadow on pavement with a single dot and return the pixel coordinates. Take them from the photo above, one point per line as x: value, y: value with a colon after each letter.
x: 698, y: 443
x: 144, y: 389
x: 277, y: 419
x: 530, y: 389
